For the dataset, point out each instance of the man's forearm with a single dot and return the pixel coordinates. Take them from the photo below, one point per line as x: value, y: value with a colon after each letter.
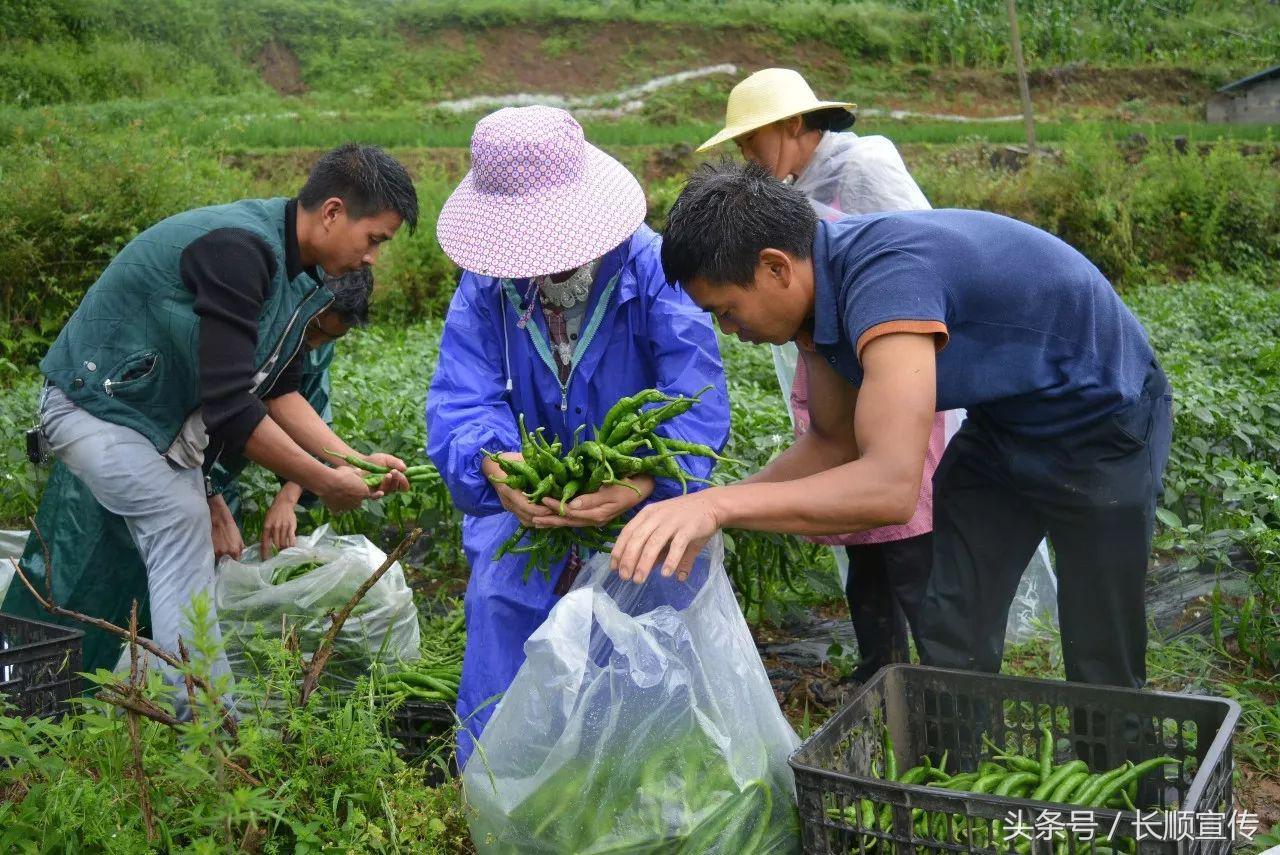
x: 808, y: 455
x: 296, y: 417
x: 852, y: 497
x: 269, y: 446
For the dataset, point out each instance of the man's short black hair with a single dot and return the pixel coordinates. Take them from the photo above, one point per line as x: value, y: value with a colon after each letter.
x: 351, y: 293
x: 366, y: 179
x: 725, y: 215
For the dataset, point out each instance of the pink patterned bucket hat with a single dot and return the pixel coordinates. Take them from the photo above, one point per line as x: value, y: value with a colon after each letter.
x: 539, y: 198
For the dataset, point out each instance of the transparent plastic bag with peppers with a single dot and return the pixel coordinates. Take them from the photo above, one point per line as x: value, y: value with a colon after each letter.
x: 641, y: 721
x: 301, y: 585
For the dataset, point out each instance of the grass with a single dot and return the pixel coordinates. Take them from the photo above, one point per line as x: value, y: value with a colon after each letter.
x: 386, y: 51
x: 267, y: 123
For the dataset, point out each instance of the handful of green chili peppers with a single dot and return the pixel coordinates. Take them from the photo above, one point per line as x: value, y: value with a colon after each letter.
x: 1013, y: 776
x: 626, y: 444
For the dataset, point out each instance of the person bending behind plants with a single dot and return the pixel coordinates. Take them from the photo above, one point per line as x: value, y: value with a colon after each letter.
x: 309, y: 375
x: 185, y: 339
x: 561, y: 312
x: 897, y: 316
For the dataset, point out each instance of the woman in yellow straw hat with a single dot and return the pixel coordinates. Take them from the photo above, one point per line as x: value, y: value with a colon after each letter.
x: 776, y: 121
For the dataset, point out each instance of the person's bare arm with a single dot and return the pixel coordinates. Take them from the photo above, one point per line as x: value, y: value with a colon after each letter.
x: 340, y: 488
x: 892, y: 421
x: 894, y: 416
x: 303, y: 425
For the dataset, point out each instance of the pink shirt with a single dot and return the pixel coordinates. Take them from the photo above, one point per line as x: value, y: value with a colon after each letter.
x: 922, y: 521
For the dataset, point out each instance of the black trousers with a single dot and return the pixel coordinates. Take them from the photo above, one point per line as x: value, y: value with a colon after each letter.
x: 885, y: 588
x: 1093, y: 491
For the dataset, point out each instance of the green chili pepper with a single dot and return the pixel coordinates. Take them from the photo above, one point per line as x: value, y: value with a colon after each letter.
x: 623, y: 464
x: 511, y: 542
x: 630, y: 446
x: 515, y: 482
x: 1046, y: 754
x: 570, y: 490
x: 890, y: 758
x: 548, y: 458
x: 575, y: 467
x: 1049, y: 785
x: 598, y: 476
x: 360, y: 463
x: 696, y: 449
x: 620, y: 482
x: 915, y: 775
x: 659, y: 415
x: 526, y: 442
x: 1069, y: 785
x: 986, y: 782
x: 621, y: 430
x: 1089, y: 787
x: 1014, y: 780
x: 544, y: 487
x: 1019, y: 764
x: 515, y: 467
x: 1121, y: 781
x: 629, y: 405
x: 959, y: 782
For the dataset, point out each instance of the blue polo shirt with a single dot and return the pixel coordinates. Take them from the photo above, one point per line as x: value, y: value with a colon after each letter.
x: 1029, y: 332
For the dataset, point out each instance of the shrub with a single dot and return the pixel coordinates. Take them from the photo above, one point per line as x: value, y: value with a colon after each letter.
x: 67, y: 206
x: 1167, y: 212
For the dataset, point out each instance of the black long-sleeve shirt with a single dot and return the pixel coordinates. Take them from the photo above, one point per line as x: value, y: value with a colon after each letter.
x: 229, y: 271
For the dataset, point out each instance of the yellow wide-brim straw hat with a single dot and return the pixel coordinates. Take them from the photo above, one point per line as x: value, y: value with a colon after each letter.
x: 766, y: 97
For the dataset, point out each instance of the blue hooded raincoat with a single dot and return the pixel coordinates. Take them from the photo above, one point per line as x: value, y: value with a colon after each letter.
x: 646, y: 334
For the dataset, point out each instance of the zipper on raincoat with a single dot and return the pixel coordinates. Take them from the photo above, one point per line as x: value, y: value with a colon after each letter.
x: 584, y: 341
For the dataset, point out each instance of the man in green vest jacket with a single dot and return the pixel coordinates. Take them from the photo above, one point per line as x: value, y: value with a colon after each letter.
x: 182, y: 350
x: 81, y: 536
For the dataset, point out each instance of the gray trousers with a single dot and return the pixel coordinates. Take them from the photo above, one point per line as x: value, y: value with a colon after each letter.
x: 164, y: 507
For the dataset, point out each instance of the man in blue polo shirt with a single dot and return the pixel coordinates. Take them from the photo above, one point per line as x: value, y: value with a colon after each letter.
x: 901, y: 314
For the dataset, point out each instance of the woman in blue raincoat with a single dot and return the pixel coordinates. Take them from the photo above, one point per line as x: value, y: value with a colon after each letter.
x: 563, y: 310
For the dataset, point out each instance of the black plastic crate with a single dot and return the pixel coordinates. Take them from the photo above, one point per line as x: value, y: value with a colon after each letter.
x: 40, y: 665
x: 928, y: 711
x: 419, y: 726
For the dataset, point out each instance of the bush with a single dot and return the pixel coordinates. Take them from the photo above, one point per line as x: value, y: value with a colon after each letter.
x: 67, y: 206
x: 1216, y: 341
x: 335, y: 784
x: 415, y: 278
x: 1165, y: 213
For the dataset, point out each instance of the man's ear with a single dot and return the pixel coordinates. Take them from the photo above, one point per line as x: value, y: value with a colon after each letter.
x: 778, y: 265
x: 330, y: 209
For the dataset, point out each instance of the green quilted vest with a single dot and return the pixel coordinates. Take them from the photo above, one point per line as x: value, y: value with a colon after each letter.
x: 129, y: 353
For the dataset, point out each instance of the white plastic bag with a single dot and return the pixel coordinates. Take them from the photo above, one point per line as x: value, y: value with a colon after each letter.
x: 383, y: 627
x: 641, y: 721
x: 12, y: 545
x: 1035, y: 604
